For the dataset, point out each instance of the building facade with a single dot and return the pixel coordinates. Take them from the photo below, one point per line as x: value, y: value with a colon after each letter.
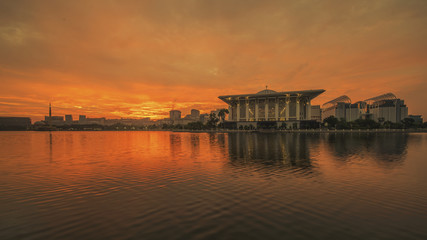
x: 69, y: 119
x: 174, y: 115
x: 54, y: 120
x: 316, y: 113
x: 15, y: 123
x: 385, y: 107
x: 342, y: 108
x: 82, y: 119
x: 195, y: 114
x: 290, y: 107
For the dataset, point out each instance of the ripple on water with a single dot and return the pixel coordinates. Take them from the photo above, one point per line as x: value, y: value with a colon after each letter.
x: 162, y: 185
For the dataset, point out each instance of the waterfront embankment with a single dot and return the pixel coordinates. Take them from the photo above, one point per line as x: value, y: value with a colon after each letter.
x: 310, y: 130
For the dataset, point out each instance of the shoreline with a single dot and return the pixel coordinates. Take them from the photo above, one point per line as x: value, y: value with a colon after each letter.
x: 308, y: 131
x: 246, y: 131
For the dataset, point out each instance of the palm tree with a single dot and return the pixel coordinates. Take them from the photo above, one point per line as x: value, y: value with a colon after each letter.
x: 221, y: 114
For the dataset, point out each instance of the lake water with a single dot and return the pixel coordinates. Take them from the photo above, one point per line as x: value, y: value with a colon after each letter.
x: 165, y: 185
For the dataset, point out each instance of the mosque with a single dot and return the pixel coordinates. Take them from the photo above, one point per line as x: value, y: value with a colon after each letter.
x: 271, y: 109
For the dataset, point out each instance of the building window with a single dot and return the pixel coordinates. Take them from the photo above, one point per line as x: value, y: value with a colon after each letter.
x: 271, y: 109
x: 261, y: 109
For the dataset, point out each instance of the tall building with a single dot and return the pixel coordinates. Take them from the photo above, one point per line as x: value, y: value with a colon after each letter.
x: 48, y: 118
x: 270, y: 109
x: 53, y: 120
x: 82, y: 119
x: 386, y: 107
x: 68, y: 119
x: 195, y: 114
x: 175, y: 115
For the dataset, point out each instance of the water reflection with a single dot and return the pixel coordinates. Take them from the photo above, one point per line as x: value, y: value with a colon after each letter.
x: 195, y: 145
x: 175, y: 144
x: 387, y: 149
x: 291, y: 150
x: 50, y: 147
x: 164, y: 185
x: 299, y: 150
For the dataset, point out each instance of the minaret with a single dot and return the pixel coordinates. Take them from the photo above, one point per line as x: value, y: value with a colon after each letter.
x: 50, y: 114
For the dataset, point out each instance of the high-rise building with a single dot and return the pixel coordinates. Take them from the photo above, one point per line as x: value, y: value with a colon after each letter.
x: 68, y: 119
x: 82, y: 119
x: 175, y: 115
x: 195, y: 114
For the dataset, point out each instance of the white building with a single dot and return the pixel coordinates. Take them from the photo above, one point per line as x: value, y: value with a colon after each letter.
x: 271, y: 108
x: 342, y: 108
x: 386, y: 107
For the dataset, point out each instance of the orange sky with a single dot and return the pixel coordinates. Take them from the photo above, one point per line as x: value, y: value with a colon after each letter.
x: 140, y: 58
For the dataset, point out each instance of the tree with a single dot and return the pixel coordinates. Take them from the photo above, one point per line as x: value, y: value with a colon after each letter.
x: 213, y: 121
x: 330, y: 121
x: 342, y: 124
x: 195, y: 126
x: 365, y: 124
x: 221, y: 114
x: 388, y: 124
x: 408, y: 123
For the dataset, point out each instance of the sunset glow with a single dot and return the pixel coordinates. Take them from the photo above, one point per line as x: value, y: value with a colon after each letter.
x: 135, y: 59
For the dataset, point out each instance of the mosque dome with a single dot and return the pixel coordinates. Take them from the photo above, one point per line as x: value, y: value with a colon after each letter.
x: 266, y: 91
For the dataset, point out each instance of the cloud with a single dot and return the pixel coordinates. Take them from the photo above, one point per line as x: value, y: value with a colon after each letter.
x: 101, y: 53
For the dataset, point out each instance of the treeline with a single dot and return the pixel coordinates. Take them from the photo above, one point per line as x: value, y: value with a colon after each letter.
x: 212, y: 123
x: 335, y: 123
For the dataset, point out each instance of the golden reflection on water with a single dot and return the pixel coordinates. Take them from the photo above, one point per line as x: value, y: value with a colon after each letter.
x: 143, y: 149
x: 166, y: 185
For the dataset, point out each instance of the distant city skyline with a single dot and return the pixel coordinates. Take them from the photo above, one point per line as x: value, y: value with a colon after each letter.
x: 130, y: 59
